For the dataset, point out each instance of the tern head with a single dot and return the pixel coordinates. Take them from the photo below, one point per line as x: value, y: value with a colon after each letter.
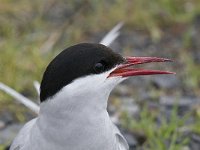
x: 90, y: 69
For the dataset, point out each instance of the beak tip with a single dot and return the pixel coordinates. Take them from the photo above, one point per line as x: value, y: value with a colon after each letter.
x: 168, y: 72
x: 167, y: 60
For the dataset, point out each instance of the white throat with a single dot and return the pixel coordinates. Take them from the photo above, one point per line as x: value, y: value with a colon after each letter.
x: 77, y: 112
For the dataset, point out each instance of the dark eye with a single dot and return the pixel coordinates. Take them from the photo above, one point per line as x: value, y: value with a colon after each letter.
x: 99, y: 67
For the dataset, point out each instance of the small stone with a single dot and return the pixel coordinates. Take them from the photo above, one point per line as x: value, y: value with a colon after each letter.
x: 6, y: 117
x: 130, y: 106
x: 171, y: 101
x: 2, y: 125
x: 196, y: 137
x: 183, y: 104
x: 194, y: 142
x: 185, y: 148
x: 165, y: 82
x: 8, y: 133
x: 131, y: 140
x: 122, y: 90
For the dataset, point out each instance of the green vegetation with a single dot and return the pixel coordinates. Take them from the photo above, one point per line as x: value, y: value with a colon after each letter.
x: 32, y: 32
x: 165, y: 135
x: 2, y: 147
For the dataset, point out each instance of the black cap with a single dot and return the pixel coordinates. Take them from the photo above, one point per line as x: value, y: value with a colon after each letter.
x: 74, y: 62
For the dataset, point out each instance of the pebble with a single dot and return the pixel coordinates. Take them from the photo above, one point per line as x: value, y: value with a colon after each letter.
x: 195, y: 142
x: 183, y: 104
x: 2, y: 125
x: 8, y: 133
x: 6, y: 117
x: 132, y: 142
x: 129, y: 106
x: 171, y: 101
x: 122, y: 90
x: 165, y: 82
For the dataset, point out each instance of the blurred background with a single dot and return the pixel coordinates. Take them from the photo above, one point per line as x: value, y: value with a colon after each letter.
x: 153, y: 112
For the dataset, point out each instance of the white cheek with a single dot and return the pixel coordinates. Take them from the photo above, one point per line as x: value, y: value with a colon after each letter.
x: 90, y: 84
x: 113, y: 81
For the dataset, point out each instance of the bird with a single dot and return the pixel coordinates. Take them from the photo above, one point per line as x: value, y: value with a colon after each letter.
x: 74, y: 93
x: 107, y: 40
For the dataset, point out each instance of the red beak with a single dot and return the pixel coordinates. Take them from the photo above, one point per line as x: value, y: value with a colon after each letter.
x: 124, y: 70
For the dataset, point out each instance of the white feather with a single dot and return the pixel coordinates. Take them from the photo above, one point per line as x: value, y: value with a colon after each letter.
x: 112, y: 35
x: 20, y: 98
x: 37, y: 87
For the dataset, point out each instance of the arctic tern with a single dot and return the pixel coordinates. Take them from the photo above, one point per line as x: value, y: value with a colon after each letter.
x: 74, y: 93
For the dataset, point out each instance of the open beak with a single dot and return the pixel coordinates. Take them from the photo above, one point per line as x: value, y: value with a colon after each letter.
x: 125, y: 70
